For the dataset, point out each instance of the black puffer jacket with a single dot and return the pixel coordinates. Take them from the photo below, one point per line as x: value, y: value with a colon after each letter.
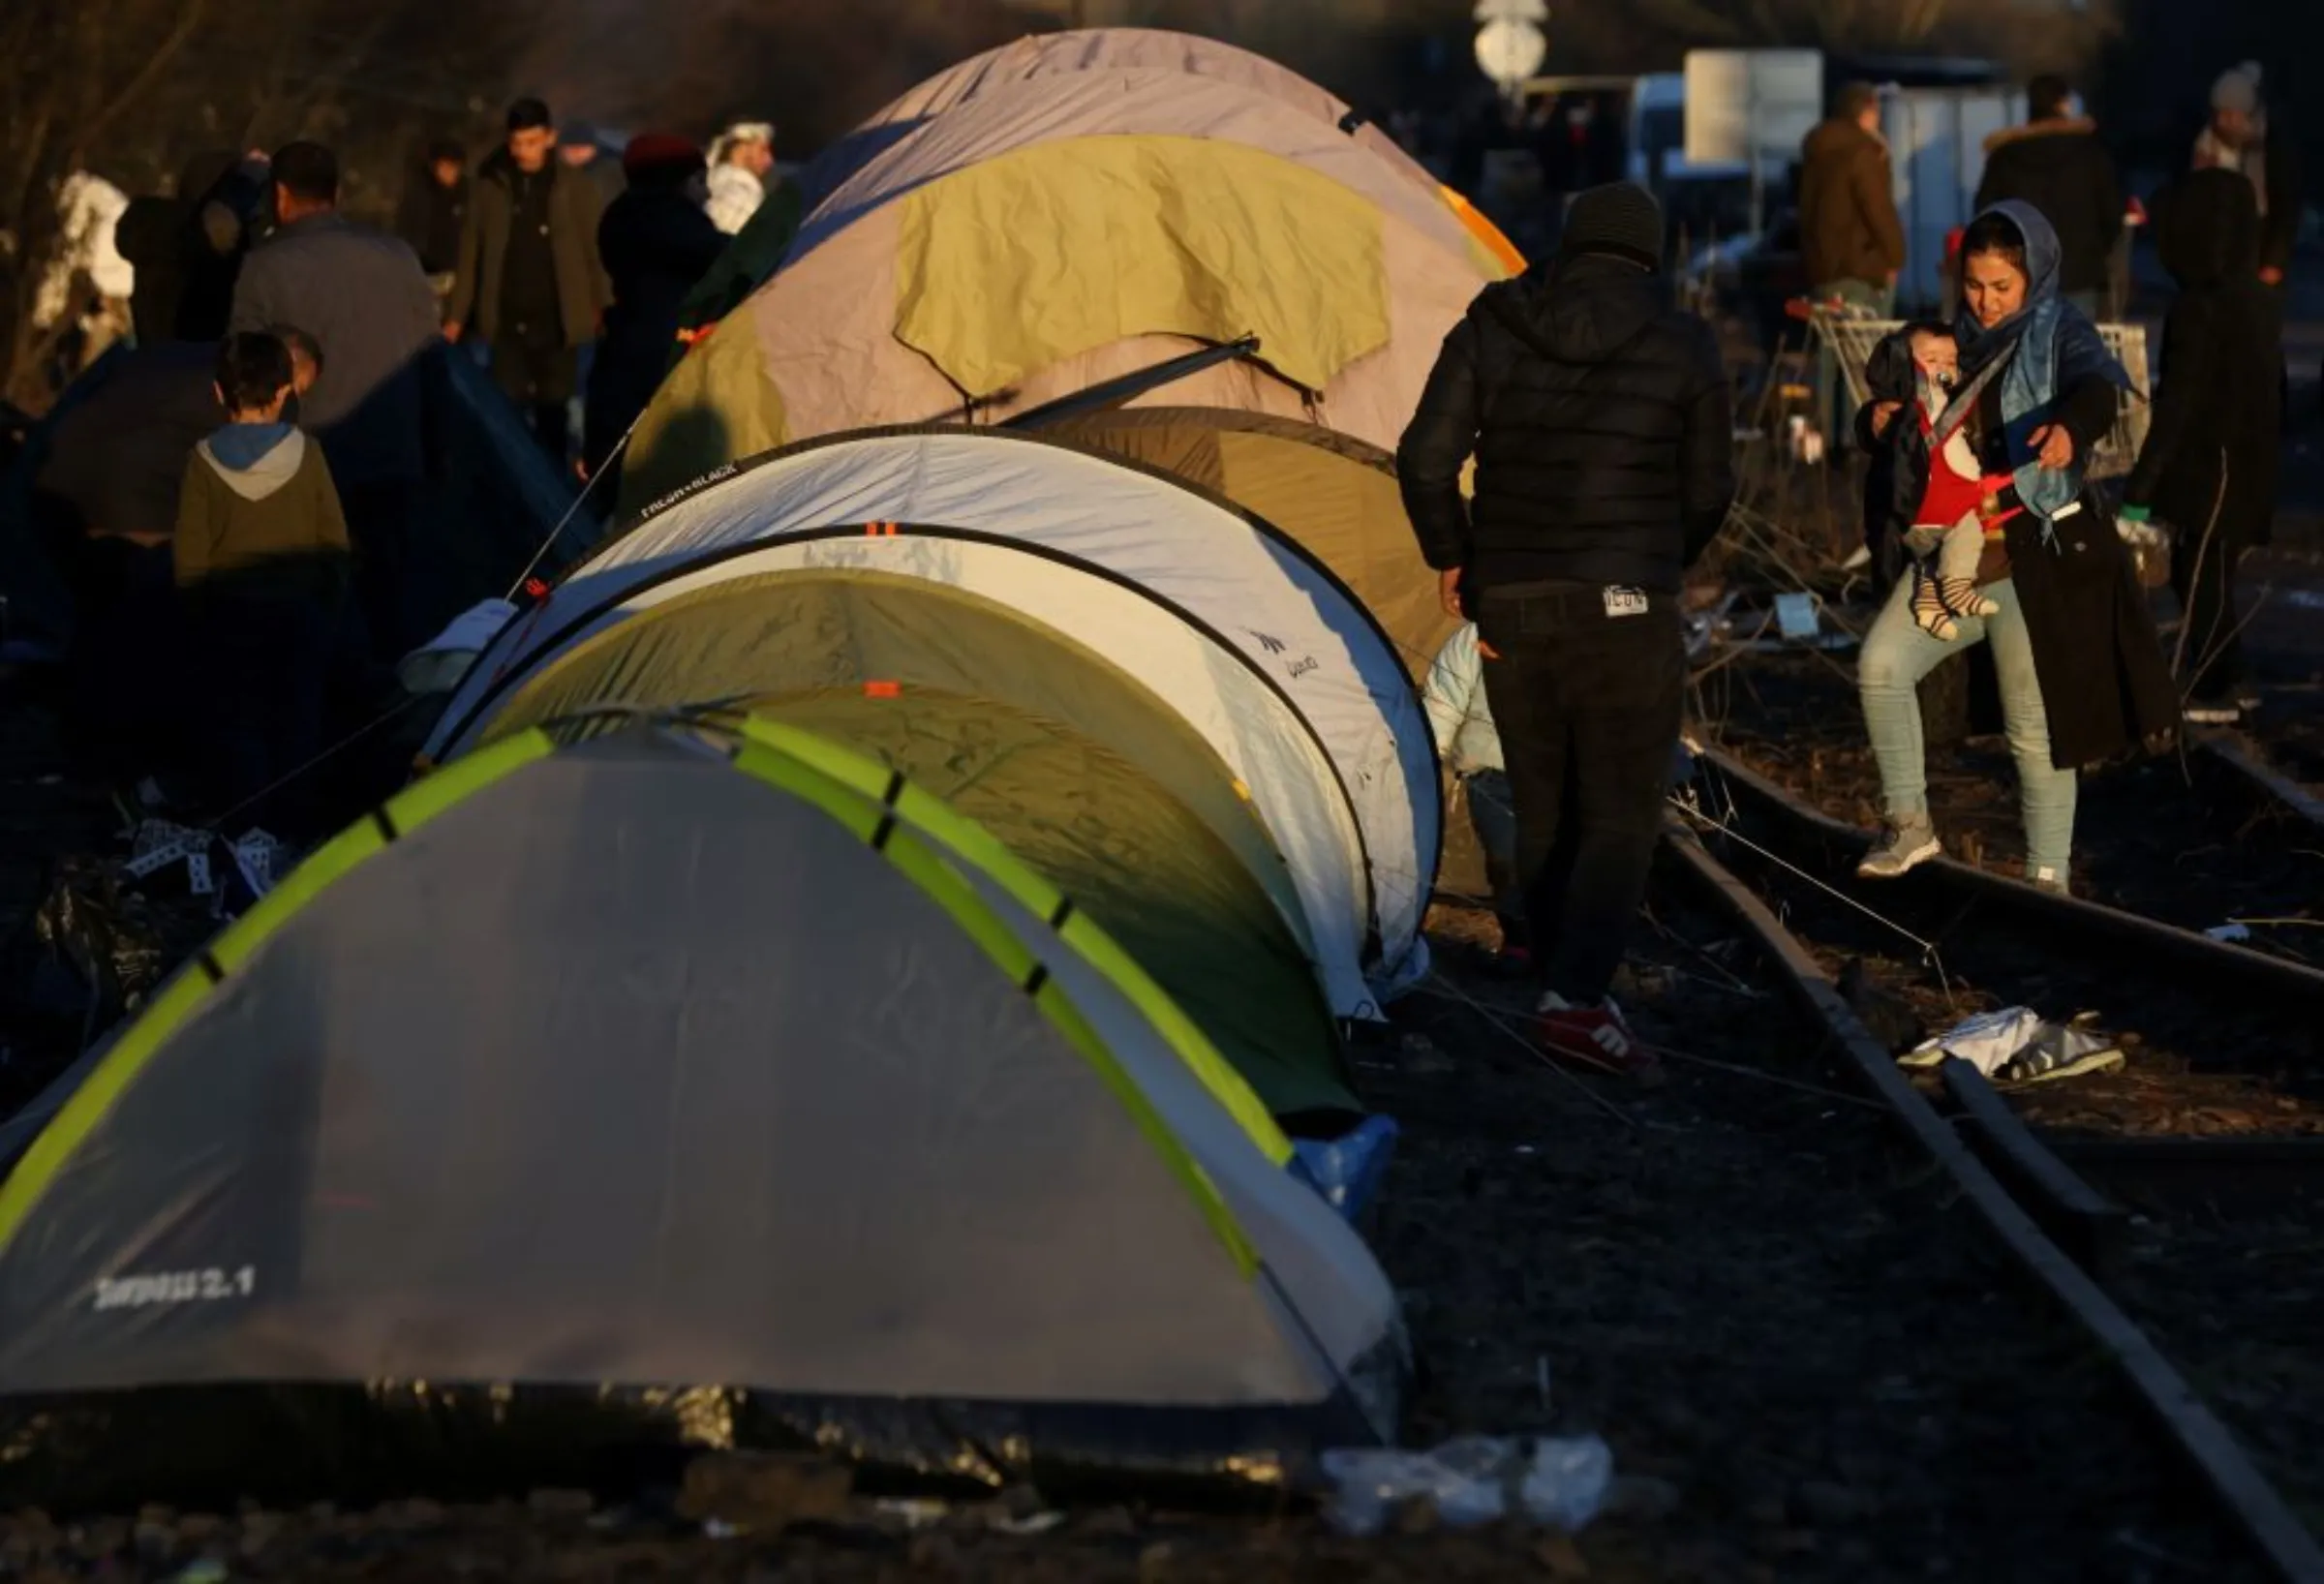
x: 1897, y: 462
x: 1602, y: 425
x: 2219, y: 405
x: 2060, y: 168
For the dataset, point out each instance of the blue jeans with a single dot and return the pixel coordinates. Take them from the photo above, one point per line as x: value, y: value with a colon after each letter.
x: 1898, y: 653
x: 1880, y: 300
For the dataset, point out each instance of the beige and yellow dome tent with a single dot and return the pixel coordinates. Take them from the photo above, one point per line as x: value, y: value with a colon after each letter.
x: 1038, y: 240
x: 766, y: 240
x: 1334, y: 494
x: 1051, y: 56
x: 1339, y: 497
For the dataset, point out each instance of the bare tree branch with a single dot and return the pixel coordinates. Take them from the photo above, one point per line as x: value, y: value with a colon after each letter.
x: 143, y: 81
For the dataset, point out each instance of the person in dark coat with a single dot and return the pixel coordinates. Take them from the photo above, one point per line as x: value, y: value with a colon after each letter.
x: 187, y: 248
x: 530, y: 279
x: 2246, y: 136
x: 2082, y: 674
x: 2213, y: 454
x: 656, y: 242
x: 1852, y: 243
x: 1894, y: 456
x: 360, y: 294
x: 104, y: 500
x: 2056, y: 162
x: 1601, y: 424
x: 580, y: 150
x: 433, y: 210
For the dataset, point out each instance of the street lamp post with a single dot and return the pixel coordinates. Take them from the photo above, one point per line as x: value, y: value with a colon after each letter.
x: 1511, y: 45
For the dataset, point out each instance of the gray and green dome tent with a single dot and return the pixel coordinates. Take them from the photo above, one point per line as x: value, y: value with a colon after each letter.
x: 1251, y: 643
x: 1068, y: 761
x: 674, y: 1085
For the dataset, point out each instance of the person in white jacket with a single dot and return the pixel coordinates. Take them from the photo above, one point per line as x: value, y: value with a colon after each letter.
x: 88, y: 209
x: 740, y: 160
x: 1469, y: 744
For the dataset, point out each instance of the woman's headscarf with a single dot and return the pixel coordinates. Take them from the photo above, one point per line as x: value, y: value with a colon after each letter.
x: 2045, y: 348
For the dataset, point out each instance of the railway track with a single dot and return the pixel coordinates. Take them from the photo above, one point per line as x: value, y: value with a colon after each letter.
x: 2230, y: 1006
x: 2240, y: 754
x: 2216, y: 839
x: 2224, y: 1092
x: 2180, y: 1237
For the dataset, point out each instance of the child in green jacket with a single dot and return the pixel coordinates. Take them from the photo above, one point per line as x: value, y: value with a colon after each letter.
x: 260, y: 558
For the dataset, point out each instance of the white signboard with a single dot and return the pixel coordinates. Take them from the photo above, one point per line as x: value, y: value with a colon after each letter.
x: 1511, y: 51
x: 1747, y: 104
x: 1536, y: 11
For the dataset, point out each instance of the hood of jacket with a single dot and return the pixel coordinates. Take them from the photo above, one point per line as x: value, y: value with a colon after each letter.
x: 1889, y: 373
x: 255, y: 459
x: 1582, y: 310
x: 2044, y: 350
x: 2207, y: 227
x: 1838, y: 137
x: 2069, y: 126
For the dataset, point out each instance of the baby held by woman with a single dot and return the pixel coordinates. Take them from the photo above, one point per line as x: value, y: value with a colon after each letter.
x: 1953, y: 508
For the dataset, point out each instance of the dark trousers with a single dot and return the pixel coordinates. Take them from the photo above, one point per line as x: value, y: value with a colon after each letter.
x: 540, y: 380
x: 1588, y: 706
x: 2214, y: 663
x: 124, y: 717
x: 264, y: 665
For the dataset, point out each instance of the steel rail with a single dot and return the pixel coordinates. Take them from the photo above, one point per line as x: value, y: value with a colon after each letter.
x: 2241, y: 1494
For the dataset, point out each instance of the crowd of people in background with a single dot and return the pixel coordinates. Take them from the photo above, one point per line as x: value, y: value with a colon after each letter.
x: 279, y: 555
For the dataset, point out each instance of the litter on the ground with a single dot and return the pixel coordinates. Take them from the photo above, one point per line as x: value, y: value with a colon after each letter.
x: 1037, y: 1523
x: 1474, y: 1479
x: 2230, y: 932
x: 913, y: 1512
x: 2016, y: 1045
x: 1347, y: 1170
x: 1797, y: 615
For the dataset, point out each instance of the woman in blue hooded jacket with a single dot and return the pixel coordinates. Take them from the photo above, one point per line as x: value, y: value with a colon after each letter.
x: 2082, y: 675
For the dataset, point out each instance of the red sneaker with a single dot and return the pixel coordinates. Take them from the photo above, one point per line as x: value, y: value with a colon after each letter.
x: 1596, y: 1037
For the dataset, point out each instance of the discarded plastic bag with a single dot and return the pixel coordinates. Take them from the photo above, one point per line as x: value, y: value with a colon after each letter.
x: 1347, y: 1170
x: 1472, y: 1480
x: 2017, y: 1043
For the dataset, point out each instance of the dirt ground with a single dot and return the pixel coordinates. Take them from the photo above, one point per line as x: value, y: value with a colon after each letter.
x: 1805, y: 1358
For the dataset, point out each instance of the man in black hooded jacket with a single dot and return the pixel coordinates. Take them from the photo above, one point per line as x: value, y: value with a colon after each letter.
x: 1601, y: 421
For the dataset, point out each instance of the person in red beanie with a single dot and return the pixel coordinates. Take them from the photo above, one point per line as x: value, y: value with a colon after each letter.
x: 656, y: 242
